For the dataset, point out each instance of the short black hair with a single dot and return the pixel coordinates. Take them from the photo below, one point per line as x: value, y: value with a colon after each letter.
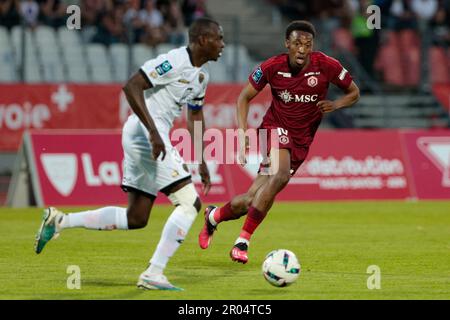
x: 199, y: 27
x: 300, y: 25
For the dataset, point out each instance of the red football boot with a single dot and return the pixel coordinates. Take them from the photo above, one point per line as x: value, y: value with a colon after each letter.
x: 239, y: 252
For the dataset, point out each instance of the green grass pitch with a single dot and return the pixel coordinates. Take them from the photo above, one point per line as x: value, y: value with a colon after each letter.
x: 335, y: 242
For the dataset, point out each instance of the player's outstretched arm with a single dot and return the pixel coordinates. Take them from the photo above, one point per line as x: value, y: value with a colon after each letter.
x: 243, y: 105
x: 134, y: 91
x: 351, y: 97
x: 193, y: 117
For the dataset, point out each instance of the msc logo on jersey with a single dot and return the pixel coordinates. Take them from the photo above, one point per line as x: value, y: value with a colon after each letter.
x: 287, y: 97
x: 312, y: 81
x: 163, y: 68
x: 257, y: 75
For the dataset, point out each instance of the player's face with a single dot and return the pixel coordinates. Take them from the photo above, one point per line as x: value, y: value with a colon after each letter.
x: 215, y: 43
x: 300, y: 45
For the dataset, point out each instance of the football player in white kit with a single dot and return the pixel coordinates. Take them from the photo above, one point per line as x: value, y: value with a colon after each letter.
x: 156, y: 94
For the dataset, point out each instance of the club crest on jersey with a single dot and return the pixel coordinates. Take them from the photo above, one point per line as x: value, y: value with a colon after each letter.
x: 163, y: 68
x: 257, y: 75
x: 312, y: 81
x: 284, y: 140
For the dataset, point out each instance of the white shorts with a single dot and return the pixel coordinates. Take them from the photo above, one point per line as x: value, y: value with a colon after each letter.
x: 140, y: 171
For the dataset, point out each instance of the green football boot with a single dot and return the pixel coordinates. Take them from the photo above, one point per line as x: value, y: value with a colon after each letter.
x: 48, y: 229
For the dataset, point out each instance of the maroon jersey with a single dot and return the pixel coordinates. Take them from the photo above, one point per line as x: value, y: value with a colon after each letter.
x: 294, y: 96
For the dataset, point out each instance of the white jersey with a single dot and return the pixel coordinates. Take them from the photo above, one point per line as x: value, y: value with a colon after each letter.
x: 176, y: 82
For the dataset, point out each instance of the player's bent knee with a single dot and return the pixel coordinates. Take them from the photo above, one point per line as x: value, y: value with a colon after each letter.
x: 240, y: 204
x: 136, y: 220
x: 281, y: 179
x: 187, y: 198
x: 248, y: 200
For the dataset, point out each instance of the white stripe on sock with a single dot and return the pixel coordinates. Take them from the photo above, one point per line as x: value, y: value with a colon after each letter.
x: 239, y: 240
x: 211, y: 217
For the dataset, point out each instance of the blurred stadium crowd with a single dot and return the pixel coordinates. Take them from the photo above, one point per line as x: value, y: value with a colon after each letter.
x: 105, y: 21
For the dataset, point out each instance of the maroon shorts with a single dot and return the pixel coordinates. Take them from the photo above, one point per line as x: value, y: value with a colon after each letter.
x: 281, y: 139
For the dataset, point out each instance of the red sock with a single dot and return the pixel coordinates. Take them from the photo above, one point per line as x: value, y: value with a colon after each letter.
x: 223, y: 213
x: 252, y: 221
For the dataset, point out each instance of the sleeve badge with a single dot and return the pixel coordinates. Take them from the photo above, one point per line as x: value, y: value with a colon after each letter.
x: 163, y: 68
x: 257, y: 75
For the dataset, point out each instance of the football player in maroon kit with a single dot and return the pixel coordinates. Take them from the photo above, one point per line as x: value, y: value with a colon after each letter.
x: 299, y: 81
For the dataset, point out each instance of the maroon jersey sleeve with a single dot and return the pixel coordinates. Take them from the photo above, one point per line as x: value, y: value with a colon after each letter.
x: 337, y: 74
x: 259, y: 76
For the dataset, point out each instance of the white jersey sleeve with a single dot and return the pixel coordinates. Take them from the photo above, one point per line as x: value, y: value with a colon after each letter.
x: 162, y: 70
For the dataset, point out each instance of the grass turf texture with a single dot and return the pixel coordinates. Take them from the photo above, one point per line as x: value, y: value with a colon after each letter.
x: 334, y: 241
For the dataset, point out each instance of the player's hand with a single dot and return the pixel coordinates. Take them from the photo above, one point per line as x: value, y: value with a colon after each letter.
x: 326, y: 106
x: 158, y: 147
x: 206, y: 180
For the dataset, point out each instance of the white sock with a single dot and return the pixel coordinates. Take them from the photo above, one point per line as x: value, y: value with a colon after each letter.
x: 239, y: 239
x: 154, y: 269
x: 173, y: 234
x: 107, y: 218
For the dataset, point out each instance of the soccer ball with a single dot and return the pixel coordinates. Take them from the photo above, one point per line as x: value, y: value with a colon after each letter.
x: 281, y: 268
